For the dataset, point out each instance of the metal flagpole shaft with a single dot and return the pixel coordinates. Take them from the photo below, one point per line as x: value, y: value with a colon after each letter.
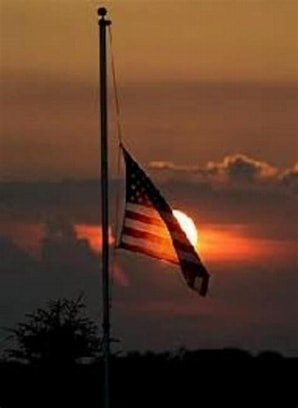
x: 103, y: 23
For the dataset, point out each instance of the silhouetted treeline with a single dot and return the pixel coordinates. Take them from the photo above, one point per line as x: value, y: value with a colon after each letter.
x: 201, y: 378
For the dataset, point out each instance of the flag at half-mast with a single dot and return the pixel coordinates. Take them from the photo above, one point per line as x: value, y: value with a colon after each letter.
x: 150, y: 228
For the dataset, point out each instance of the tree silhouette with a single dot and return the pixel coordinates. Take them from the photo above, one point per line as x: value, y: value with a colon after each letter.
x: 60, y: 334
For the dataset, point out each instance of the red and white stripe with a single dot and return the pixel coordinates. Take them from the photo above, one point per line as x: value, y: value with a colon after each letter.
x: 145, y: 231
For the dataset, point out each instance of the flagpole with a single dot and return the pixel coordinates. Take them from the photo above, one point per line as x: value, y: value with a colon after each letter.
x: 103, y: 23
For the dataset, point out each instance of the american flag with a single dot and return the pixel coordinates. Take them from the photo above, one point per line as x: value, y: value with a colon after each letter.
x: 150, y: 228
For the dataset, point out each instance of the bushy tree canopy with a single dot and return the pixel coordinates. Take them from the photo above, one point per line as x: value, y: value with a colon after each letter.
x: 59, y: 334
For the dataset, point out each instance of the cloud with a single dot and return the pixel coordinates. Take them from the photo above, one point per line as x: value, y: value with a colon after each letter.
x: 167, y: 165
x: 289, y: 178
x: 233, y: 169
x: 241, y: 168
x: 54, y: 246
x: 237, y: 190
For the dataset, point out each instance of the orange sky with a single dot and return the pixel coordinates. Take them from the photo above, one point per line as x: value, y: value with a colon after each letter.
x: 217, y: 243
x: 173, y: 60
x: 160, y: 39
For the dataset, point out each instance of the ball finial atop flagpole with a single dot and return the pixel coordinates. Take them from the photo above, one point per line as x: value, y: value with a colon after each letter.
x: 102, y: 11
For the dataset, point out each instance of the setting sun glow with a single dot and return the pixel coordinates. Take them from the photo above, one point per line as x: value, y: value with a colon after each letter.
x: 188, y: 226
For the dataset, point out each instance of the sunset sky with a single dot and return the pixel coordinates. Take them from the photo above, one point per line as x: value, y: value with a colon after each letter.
x: 208, y: 98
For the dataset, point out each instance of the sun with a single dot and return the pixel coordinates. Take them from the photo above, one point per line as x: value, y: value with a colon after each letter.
x: 188, y: 226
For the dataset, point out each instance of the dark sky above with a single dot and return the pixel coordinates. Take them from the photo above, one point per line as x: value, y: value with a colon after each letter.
x: 208, y: 96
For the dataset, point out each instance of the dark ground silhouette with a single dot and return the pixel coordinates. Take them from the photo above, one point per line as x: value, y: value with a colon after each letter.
x: 44, y: 368
x: 202, y: 378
